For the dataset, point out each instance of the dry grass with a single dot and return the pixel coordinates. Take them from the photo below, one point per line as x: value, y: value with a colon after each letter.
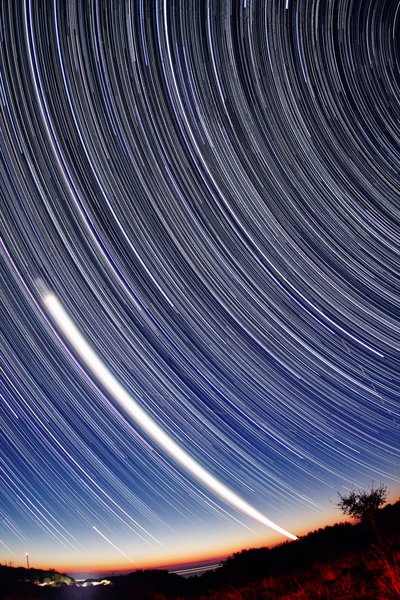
x: 373, y: 575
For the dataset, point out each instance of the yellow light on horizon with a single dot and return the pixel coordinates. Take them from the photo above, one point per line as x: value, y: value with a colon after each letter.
x: 102, y: 372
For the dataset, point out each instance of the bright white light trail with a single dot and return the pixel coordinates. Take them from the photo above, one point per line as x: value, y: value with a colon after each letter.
x: 104, y: 375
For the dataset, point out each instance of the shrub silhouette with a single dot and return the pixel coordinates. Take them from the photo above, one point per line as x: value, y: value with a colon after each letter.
x: 363, y: 504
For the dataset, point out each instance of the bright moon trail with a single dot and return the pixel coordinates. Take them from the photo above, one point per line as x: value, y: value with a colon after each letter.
x: 103, y: 374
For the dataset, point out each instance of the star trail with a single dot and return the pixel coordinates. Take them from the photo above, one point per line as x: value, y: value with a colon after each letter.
x: 210, y: 190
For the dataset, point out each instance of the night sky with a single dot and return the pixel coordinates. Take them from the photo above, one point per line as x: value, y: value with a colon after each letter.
x: 211, y: 191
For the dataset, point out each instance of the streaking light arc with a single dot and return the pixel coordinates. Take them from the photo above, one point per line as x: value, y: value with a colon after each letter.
x: 114, y: 546
x: 101, y: 371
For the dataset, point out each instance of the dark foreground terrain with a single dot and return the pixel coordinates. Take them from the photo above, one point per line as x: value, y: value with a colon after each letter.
x: 349, y: 562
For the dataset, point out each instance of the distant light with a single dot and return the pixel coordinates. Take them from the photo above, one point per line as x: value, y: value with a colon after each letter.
x: 98, y: 367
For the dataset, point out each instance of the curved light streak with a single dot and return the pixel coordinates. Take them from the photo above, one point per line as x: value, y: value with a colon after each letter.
x: 101, y: 371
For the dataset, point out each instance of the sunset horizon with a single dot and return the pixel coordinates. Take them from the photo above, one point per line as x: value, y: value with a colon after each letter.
x: 114, y: 565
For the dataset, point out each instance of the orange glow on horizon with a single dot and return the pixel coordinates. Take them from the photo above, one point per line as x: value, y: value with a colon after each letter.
x: 171, y: 560
x: 168, y: 559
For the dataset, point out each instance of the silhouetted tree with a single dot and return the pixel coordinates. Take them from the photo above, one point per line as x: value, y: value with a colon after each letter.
x: 363, y: 504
